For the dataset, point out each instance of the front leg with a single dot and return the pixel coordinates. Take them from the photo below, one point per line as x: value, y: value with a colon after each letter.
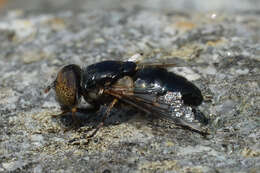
x: 61, y: 114
x: 76, y: 123
x: 74, y: 118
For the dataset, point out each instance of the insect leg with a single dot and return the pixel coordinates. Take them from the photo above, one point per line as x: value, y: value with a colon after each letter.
x: 61, y: 114
x: 112, y: 104
x: 75, y: 123
x: 75, y: 119
x: 73, y: 111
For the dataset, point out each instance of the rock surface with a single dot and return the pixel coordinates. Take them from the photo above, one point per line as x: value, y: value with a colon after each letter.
x: 219, y: 52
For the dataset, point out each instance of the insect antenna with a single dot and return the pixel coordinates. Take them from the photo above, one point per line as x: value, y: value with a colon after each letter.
x: 48, y: 88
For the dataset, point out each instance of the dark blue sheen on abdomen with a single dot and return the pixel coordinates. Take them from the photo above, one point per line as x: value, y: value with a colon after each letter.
x: 171, y: 82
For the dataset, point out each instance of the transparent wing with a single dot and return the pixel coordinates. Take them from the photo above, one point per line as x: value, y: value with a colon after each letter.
x: 167, y: 106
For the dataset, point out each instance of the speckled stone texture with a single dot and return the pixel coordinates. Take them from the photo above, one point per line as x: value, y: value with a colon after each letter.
x: 219, y: 52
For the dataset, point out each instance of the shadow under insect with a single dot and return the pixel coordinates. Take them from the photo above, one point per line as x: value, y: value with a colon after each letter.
x: 92, y: 117
x: 87, y: 117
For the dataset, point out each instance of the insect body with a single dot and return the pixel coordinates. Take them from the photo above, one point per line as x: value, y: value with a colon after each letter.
x: 99, y: 76
x: 151, y: 89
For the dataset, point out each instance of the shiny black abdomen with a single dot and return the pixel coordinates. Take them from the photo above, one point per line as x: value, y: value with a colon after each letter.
x: 162, y: 81
x: 106, y: 73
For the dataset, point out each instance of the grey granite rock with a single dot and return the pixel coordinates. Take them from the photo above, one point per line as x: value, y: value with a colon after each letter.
x: 217, y: 51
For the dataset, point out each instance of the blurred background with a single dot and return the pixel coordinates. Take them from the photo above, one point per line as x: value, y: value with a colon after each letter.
x: 166, y: 5
x: 215, y: 44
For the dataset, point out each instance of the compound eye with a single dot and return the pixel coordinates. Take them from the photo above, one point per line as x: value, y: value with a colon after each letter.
x: 67, y: 86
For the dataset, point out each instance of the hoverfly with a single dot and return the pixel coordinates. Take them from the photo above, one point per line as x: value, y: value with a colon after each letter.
x: 149, y: 88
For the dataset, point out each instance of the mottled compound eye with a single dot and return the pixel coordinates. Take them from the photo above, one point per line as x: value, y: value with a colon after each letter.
x: 67, y: 86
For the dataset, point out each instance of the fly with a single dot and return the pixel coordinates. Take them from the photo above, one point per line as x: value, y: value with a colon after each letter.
x: 149, y: 88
